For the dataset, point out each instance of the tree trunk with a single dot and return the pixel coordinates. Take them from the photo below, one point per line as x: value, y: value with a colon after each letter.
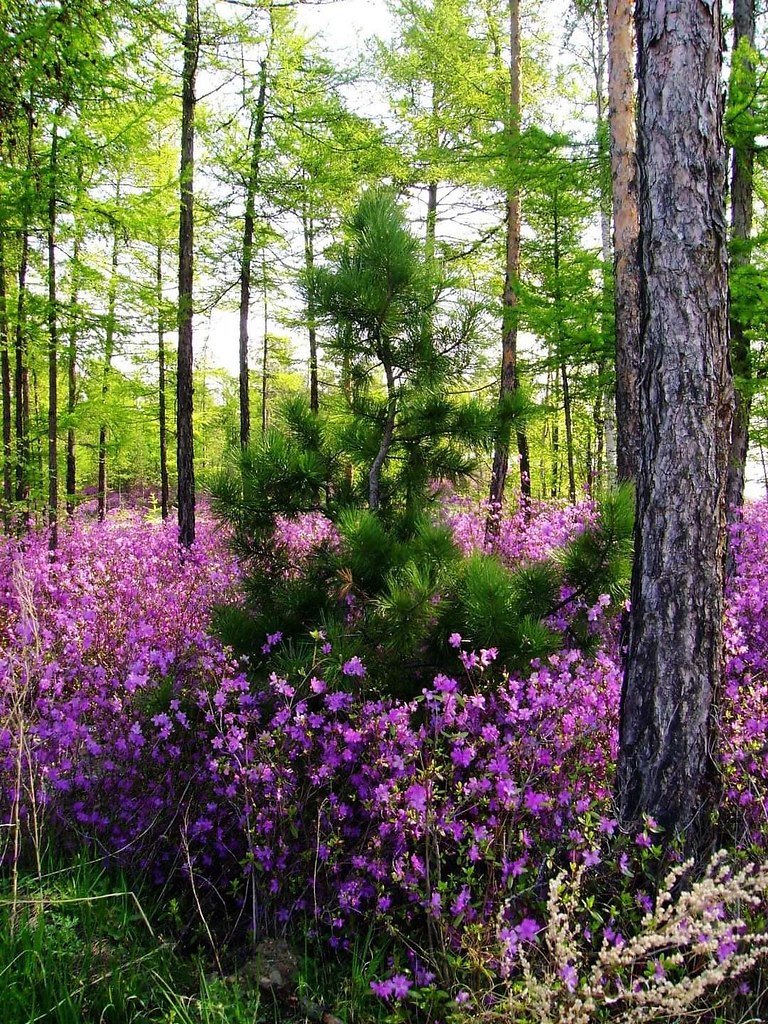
x: 626, y: 233
x: 5, y: 379
x: 431, y: 228
x: 72, y: 373
x: 667, y: 756
x: 568, y: 416
x: 23, y: 451
x: 742, y: 174
x: 22, y: 377
x: 165, y: 493
x: 509, y: 381
x: 374, y: 476
x: 265, y: 355
x: 109, y: 349
x: 309, y: 264
x: 185, y: 458
x: 53, y: 349
x: 247, y: 258
x: 607, y: 295
x: 562, y: 367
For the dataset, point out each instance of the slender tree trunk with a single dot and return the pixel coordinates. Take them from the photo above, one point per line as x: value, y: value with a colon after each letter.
x: 185, y: 458
x: 53, y: 348
x: 309, y: 265
x: 626, y: 233
x: 374, y: 476
x: 5, y: 378
x: 265, y: 355
x: 562, y: 367
x: 568, y: 416
x: 667, y: 755
x: 742, y: 174
x: 109, y: 349
x: 22, y: 377
x: 72, y: 373
x: 247, y: 258
x: 165, y: 491
x: 431, y: 229
x: 607, y: 293
x: 509, y: 381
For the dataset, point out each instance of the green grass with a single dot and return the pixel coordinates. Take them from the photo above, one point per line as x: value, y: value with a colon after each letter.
x: 78, y: 945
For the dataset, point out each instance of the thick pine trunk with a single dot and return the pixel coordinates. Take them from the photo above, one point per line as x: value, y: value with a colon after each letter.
x: 675, y: 652
x: 742, y: 174
x: 185, y: 460
x: 247, y: 256
x: 626, y: 233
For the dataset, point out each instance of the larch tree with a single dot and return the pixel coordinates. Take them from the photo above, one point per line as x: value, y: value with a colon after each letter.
x: 666, y: 765
x: 184, y: 384
x: 626, y: 232
x: 509, y: 382
x: 742, y: 88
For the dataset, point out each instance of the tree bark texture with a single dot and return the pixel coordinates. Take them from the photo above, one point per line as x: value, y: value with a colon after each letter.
x: 626, y: 232
x: 509, y: 379
x: 247, y: 257
x: 184, y: 389
x: 742, y: 175
x: 666, y: 763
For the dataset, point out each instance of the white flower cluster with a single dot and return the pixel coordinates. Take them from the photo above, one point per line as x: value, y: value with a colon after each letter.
x: 688, y: 948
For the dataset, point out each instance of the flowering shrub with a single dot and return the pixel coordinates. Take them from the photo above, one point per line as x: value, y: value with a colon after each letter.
x: 443, y: 817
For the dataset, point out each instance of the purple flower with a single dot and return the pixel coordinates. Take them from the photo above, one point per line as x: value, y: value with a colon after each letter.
x: 353, y: 667
x: 455, y: 639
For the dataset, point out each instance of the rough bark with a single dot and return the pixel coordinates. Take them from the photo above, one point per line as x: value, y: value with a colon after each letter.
x: 109, y: 350
x: 509, y: 379
x: 165, y: 493
x: 666, y: 760
x: 185, y: 460
x: 247, y: 254
x: 626, y: 232
x: 742, y: 174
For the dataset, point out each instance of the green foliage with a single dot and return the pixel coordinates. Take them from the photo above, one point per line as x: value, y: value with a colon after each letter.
x: 78, y: 947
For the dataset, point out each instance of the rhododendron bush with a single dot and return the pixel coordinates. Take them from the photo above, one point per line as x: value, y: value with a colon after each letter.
x: 127, y: 726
